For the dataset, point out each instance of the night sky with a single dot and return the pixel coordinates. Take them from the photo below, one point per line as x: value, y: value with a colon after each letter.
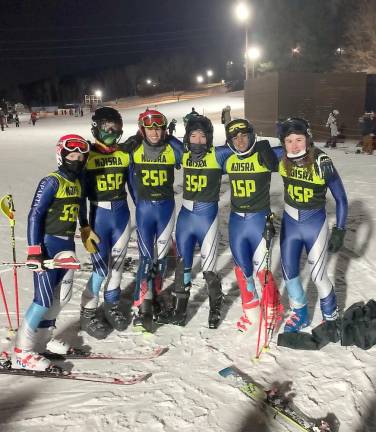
x: 46, y: 38
x: 42, y: 38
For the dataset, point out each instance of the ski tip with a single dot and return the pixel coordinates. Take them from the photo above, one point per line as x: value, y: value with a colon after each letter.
x: 162, y: 350
x: 226, y: 372
x: 147, y: 376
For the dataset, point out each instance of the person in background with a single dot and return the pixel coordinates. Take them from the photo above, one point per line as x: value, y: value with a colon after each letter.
x: 33, y: 117
x: 332, y: 124
x: 171, y: 127
x: 2, y: 119
x: 368, y: 132
x: 226, y: 115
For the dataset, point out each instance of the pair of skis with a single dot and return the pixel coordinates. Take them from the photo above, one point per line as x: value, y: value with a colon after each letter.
x: 278, y: 404
x: 56, y: 372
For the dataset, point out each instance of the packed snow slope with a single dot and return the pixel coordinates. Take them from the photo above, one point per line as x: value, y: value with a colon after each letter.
x: 185, y: 392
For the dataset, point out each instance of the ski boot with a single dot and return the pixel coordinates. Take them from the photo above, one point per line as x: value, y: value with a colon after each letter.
x: 92, y: 325
x: 114, y: 316
x: 45, y: 342
x: 30, y: 360
x: 162, y: 301
x: 144, y: 318
x: 178, y: 315
x: 215, y: 298
x: 297, y: 320
x: 250, y: 302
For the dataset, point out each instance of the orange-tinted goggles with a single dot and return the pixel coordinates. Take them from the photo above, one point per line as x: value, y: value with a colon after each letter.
x: 154, y: 120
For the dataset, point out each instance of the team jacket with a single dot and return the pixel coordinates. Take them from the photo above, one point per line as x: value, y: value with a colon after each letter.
x: 305, y: 187
x: 153, y: 180
x: 106, y: 176
x: 250, y: 177
x: 202, y: 179
x: 55, y: 207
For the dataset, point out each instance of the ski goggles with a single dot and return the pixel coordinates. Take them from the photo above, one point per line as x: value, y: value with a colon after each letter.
x: 75, y: 144
x: 110, y: 127
x: 236, y: 127
x: 154, y: 120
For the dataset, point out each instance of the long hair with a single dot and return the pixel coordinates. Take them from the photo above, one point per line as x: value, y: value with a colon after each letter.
x: 306, y: 162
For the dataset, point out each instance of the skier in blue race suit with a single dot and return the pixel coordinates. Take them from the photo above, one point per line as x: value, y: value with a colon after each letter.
x: 307, y: 172
x: 249, y: 169
x: 106, y: 234
x: 51, y: 227
x: 154, y: 162
x: 198, y: 219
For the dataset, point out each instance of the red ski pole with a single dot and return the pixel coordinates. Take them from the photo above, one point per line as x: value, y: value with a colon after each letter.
x: 5, y: 304
x: 7, y: 207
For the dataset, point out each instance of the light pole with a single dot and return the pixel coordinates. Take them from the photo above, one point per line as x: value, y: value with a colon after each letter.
x: 200, y: 79
x: 98, y: 94
x: 253, y: 53
x: 209, y: 74
x: 242, y: 13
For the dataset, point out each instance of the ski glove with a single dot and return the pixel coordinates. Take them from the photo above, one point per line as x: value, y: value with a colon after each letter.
x: 89, y: 239
x: 34, y: 260
x: 336, y: 239
x: 325, y: 166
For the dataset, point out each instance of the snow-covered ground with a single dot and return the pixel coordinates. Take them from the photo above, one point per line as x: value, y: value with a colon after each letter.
x: 185, y: 392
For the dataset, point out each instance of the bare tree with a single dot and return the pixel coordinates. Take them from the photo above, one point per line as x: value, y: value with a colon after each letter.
x: 359, y: 53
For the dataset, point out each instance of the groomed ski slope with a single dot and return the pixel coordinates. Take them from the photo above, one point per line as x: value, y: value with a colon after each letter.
x: 185, y: 392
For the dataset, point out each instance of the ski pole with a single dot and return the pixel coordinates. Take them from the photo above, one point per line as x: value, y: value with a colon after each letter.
x: 7, y: 207
x: 269, y: 233
x: 5, y: 305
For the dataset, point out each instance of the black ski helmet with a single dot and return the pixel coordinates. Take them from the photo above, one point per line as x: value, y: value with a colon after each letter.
x: 107, y: 126
x: 240, y: 126
x: 199, y: 122
x: 297, y: 125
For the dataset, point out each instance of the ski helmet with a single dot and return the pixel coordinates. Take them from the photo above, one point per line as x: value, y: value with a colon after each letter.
x: 107, y: 126
x: 240, y: 126
x: 69, y: 144
x: 199, y: 122
x: 298, y: 126
x: 152, y: 119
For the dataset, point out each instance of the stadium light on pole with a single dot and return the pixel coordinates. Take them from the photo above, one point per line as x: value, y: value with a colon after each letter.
x: 253, y: 53
x: 242, y: 14
x: 200, y: 79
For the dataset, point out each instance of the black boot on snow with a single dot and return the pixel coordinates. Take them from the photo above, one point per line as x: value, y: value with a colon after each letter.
x: 144, y: 318
x: 114, y: 316
x: 215, y: 299
x: 177, y: 315
x: 92, y: 325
